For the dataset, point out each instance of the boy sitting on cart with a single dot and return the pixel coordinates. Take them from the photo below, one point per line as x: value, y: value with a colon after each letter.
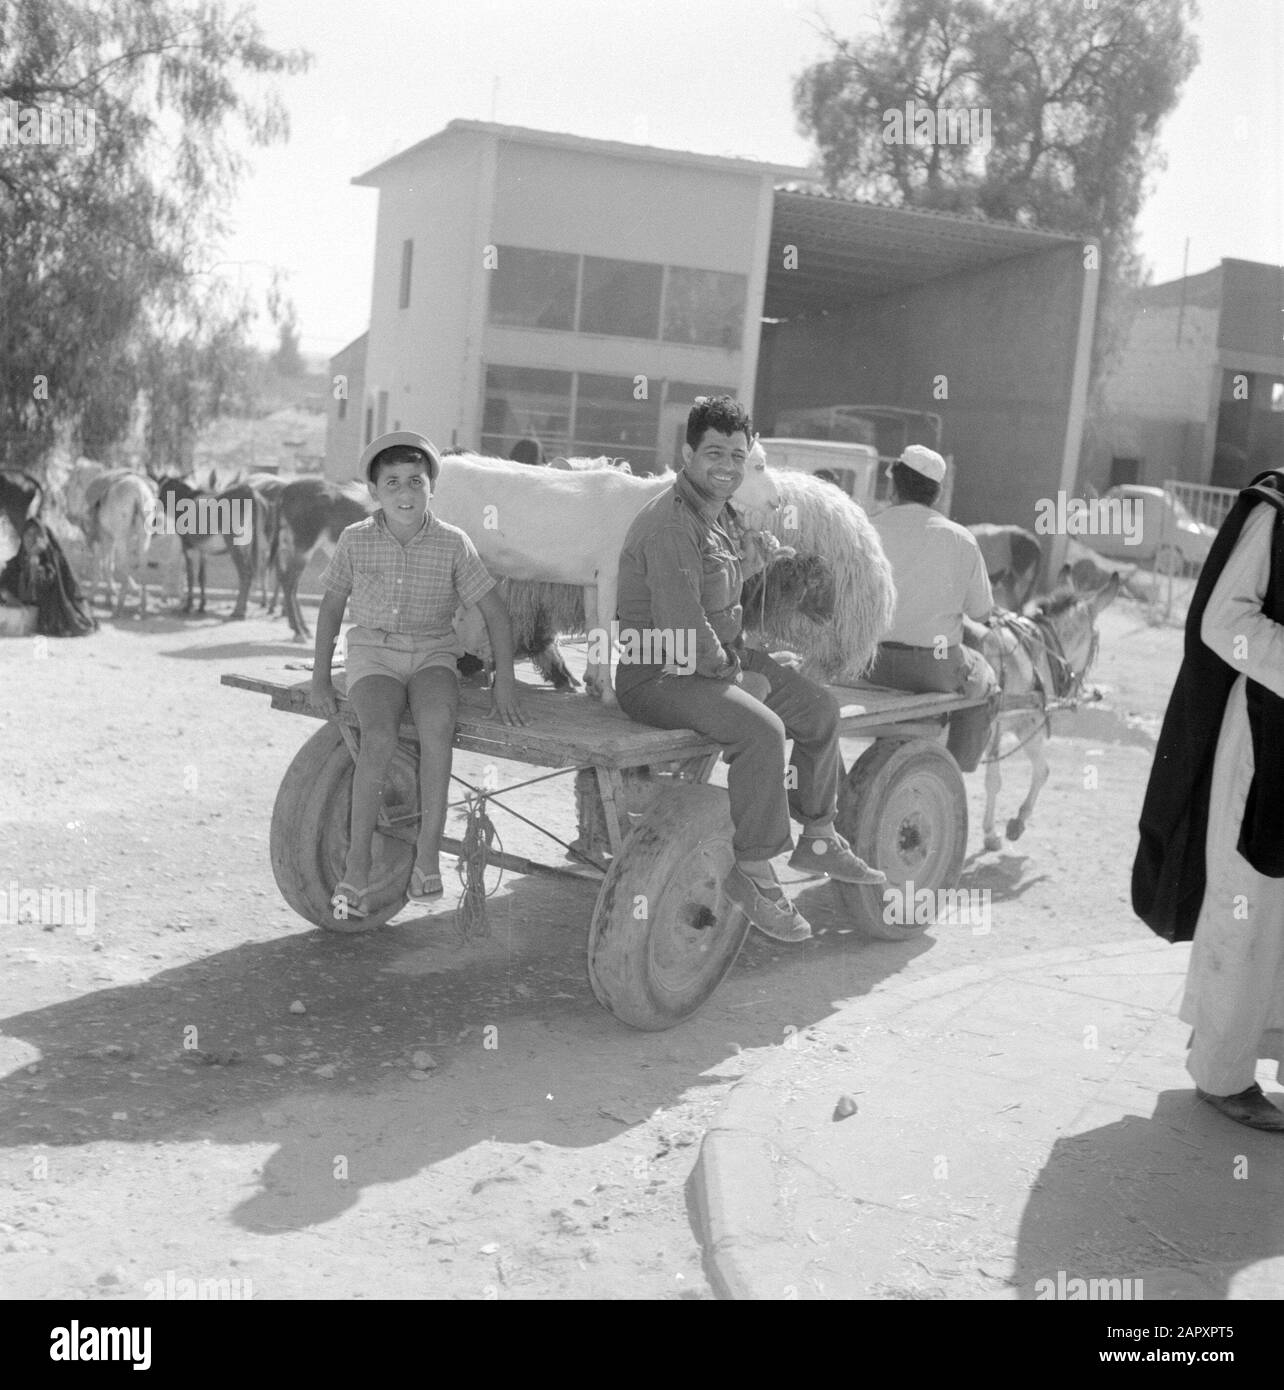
x: 407, y: 574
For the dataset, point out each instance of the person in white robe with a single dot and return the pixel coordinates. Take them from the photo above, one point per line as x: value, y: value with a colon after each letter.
x: 1234, y: 997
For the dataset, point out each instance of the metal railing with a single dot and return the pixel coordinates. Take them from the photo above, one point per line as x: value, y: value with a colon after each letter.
x: 1209, y: 505
x: 1172, y: 584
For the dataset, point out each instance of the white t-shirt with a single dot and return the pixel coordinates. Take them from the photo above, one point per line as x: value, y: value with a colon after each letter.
x: 939, y: 574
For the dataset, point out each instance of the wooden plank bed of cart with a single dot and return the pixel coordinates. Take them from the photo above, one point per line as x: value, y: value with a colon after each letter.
x: 663, y: 936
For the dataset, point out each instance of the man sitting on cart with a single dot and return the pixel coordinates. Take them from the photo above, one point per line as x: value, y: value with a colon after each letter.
x: 680, y: 573
x: 942, y: 598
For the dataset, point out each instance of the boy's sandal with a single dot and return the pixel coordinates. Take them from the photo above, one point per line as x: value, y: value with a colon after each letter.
x: 424, y: 886
x: 348, y: 902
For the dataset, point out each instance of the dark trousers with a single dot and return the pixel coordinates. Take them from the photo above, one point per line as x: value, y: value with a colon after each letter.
x: 752, y: 734
x: 961, y: 671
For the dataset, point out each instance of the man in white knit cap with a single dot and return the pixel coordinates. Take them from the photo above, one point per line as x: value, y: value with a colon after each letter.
x: 942, y: 590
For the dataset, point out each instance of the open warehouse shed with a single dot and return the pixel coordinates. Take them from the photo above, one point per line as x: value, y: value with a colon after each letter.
x: 988, y: 326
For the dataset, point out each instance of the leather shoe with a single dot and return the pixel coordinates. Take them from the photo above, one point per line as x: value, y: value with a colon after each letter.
x: 1248, y: 1107
x: 767, y: 907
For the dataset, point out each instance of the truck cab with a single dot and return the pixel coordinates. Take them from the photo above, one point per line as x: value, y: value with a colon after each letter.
x: 882, y: 431
x: 853, y: 468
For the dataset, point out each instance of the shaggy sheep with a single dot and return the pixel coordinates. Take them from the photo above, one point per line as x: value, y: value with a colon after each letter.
x: 816, y: 518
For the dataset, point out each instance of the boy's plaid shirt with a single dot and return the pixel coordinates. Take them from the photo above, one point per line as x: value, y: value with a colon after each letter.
x: 413, y: 589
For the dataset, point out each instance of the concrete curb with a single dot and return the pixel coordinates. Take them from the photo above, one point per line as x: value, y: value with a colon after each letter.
x: 734, y: 1183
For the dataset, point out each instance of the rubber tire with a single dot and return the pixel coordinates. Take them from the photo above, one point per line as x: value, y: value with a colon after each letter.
x: 309, y: 836
x: 904, y: 809
x: 675, y: 859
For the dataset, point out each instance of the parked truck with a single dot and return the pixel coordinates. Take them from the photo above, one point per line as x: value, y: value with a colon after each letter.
x: 854, y: 444
x: 852, y: 467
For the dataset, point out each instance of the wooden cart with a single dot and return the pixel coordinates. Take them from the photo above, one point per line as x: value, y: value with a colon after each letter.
x: 663, y: 935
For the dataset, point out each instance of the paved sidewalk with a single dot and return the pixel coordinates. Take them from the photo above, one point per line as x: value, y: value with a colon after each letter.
x: 1022, y: 1121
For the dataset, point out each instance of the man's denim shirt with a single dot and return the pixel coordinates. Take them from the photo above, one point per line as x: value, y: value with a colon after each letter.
x: 680, y: 569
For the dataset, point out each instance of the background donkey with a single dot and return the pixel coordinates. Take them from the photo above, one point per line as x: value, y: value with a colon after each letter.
x: 210, y: 520
x: 312, y: 513
x: 1013, y: 558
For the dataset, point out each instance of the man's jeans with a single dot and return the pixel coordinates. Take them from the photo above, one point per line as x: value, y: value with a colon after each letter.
x: 961, y: 671
x: 752, y: 734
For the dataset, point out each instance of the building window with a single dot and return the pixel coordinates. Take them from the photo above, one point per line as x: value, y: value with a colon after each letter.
x: 526, y: 403
x: 706, y: 307
x: 621, y: 298
x: 407, y: 257
x: 608, y: 420
x: 624, y: 299
x: 1125, y: 472
x: 381, y: 417
x: 534, y: 289
x: 369, y: 423
x: 576, y: 415
x: 343, y: 407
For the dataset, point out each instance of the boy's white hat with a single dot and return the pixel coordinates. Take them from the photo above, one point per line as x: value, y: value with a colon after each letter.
x: 925, y: 461
x: 409, y: 439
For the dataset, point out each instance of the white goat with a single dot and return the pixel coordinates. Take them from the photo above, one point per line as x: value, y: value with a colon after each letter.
x: 564, y: 528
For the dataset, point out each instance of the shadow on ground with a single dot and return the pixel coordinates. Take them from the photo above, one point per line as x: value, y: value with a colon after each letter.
x: 1103, y: 724
x: 238, y: 651
x: 510, y: 1022
x: 1004, y: 876
x: 1183, y: 1192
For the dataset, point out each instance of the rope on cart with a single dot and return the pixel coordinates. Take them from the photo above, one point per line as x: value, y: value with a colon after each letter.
x: 571, y: 851
x: 472, y: 792
x: 513, y: 786
x: 479, y: 837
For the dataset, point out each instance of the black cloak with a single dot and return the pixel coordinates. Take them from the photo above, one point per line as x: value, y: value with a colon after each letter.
x: 43, y: 579
x: 1169, y: 873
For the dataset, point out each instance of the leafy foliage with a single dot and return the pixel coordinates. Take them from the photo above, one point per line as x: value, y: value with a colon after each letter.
x: 103, y: 290
x: 1076, y: 92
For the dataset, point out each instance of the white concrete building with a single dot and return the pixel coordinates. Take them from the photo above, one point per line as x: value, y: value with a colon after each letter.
x: 531, y: 285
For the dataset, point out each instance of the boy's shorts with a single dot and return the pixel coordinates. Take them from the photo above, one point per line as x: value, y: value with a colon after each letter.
x: 372, y: 652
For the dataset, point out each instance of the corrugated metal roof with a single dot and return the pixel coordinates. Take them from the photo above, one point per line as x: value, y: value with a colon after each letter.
x: 848, y: 250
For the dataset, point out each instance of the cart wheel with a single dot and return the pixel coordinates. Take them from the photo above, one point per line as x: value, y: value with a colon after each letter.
x: 309, y: 839
x: 904, y: 809
x: 663, y: 935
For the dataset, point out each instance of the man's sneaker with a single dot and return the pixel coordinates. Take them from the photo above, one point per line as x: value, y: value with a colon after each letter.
x: 833, y: 856
x: 767, y: 907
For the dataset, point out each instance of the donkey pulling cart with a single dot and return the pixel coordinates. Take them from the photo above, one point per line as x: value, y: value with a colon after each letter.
x: 662, y: 936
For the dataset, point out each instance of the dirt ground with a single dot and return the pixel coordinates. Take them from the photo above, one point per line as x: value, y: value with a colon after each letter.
x: 197, y: 1085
